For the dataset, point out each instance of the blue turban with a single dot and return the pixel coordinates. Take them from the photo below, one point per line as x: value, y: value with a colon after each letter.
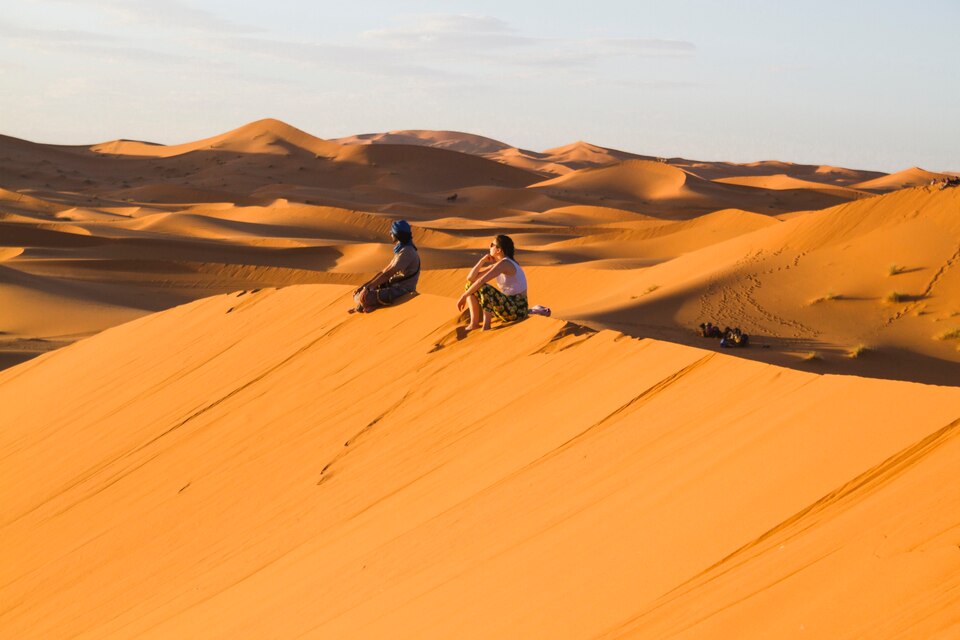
x: 402, y: 227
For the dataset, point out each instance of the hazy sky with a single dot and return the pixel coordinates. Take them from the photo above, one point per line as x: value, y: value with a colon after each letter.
x: 865, y: 84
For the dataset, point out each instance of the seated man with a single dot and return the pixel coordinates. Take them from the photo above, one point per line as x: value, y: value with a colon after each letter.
x: 398, y: 278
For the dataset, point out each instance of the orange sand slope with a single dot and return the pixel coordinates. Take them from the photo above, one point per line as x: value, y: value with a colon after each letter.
x: 841, y: 285
x: 810, y: 260
x: 244, y: 467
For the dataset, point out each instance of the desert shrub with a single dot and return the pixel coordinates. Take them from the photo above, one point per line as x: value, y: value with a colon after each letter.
x: 857, y: 351
x: 952, y: 334
x: 826, y: 298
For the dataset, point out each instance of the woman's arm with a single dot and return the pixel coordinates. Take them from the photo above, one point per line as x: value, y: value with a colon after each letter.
x: 483, y: 265
x: 487, y: 276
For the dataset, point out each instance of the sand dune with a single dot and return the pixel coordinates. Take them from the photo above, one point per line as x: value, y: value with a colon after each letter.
x: 46, y: 307
x: 7, y: 253
x: 486, y: 201
x: 822, y: 174
x: 658, y: 187
x: 248, y: 483
x: 199, y: 440
x: 268, y: 136
x: 452, y: 140
x: 531, y: 161
x: 913, y: 177
x: 666, y: 240
x: 584, y: 215
x: 448, y: 169
x: 259, y: 199
x: 39, y: 313
x: 630, y: 180
x: 557, y: 161
x: 580, y: 154
x: 818, y: 288
x: 24, y: 202
x: 782, y: 181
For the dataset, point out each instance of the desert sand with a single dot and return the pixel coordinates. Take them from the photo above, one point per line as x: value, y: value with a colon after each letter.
x: 199, y: 441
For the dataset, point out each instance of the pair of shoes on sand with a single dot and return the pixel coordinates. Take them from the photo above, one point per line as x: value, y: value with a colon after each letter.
x: 728, y: 337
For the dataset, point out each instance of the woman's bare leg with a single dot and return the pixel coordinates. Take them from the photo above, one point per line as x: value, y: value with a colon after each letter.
x: 474, y: 306
x: 486, y: 320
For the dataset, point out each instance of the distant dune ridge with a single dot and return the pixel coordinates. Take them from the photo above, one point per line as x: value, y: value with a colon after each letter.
x: 270, y: 204
x: 200, y: 441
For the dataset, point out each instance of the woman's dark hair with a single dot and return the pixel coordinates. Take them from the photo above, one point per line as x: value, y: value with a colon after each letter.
x: 403, y: 237
x: 506, y: 245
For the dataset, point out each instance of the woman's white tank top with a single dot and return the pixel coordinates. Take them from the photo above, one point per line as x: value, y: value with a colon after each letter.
x: 512, y: 285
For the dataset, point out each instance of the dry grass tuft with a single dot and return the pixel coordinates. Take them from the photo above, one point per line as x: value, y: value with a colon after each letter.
x: 895, y: 297
x: 826, y: 298
x: 952, y: 334
x: 648, y: 291
x: 857, y: 351
x: 895, y: 269
x: 811, y: 356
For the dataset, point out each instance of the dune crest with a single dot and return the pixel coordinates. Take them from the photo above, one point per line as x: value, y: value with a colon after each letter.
x: 452, y: 140
x: 580, y: 154
x: 267, y: 136
x: 912, y: 177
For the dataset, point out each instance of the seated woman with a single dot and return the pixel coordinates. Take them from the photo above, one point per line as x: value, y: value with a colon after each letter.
x: 509, y: 302
x: 398, y: 278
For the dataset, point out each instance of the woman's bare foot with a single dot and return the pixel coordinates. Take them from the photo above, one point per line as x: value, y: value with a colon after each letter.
x: 471, y: 327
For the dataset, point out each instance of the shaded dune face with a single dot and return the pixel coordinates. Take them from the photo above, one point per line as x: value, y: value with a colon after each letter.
x: 650, y: 247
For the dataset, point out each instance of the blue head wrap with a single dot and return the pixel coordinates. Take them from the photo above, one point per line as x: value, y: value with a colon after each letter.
x: 402, y: 227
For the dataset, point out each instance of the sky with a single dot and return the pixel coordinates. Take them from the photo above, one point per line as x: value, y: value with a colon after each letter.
x: 861, y: 84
